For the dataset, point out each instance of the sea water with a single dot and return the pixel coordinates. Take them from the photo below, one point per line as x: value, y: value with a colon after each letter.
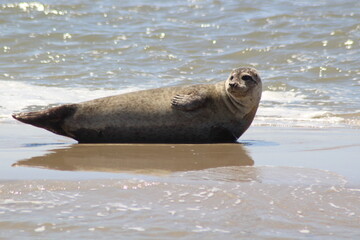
x: 307, y: 53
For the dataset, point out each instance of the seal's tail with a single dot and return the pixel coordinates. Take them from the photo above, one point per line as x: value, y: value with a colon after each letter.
x: 50, y: 119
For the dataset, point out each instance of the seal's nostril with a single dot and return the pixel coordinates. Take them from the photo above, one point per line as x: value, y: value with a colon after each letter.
x: 233, y: 84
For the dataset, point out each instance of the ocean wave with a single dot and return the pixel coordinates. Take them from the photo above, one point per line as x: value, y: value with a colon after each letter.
x: 295, y: 109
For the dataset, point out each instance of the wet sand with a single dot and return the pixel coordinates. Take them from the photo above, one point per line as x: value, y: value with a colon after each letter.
x: 31, y: 151
x: 276, y: 182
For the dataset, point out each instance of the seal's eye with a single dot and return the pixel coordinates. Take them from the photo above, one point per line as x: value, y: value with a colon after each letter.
x: 232, y: 77
x: 247, y: 78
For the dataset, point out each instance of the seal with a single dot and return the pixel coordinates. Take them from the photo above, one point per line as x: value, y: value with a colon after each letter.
x: 204, y: 113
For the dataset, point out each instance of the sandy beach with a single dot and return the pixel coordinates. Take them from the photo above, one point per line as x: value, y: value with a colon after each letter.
x: 28, y: 152
x: 273, y: 176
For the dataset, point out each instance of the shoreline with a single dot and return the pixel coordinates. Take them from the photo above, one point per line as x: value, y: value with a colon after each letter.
x: 37, y: 154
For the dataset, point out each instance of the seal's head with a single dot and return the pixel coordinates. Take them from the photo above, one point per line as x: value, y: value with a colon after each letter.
x: 244, y: 83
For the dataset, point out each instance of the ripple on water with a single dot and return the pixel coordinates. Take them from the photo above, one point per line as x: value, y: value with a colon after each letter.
x: 140, y: 45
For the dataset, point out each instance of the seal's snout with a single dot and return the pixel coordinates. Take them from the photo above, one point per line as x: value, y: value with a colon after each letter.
x: 233, y: 84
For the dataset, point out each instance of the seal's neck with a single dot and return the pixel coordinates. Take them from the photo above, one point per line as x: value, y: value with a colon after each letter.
x: 238, y: 107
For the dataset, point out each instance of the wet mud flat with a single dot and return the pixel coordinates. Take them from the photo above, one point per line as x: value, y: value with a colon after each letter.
x: 289, y: 183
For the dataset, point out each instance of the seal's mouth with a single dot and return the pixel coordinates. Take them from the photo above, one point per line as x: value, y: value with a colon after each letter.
x: 233, y: 85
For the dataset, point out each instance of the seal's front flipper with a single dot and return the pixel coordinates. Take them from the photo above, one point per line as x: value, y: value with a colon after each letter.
x: 188, y: 102
x: 50, y: 119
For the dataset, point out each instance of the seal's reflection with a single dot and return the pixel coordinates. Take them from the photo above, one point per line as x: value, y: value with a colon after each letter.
x: 142, y: 158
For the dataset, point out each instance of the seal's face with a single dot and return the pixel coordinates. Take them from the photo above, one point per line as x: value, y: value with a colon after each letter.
x: 244, y: 82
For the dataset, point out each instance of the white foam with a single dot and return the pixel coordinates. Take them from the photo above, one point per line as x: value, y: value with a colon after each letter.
x: 16, y: 96
x: 288, y: 108
x: 33, y: 6
x: 282, y: 97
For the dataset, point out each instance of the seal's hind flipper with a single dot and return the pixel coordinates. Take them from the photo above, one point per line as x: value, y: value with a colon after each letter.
x: 50, y: 119
x: 188, y: 102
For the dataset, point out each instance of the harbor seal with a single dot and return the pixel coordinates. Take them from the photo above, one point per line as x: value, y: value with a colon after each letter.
x: 204, y: 113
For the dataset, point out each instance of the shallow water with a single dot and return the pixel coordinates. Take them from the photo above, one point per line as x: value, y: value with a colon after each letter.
x: 224, y: 202
x: 296, y: 180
